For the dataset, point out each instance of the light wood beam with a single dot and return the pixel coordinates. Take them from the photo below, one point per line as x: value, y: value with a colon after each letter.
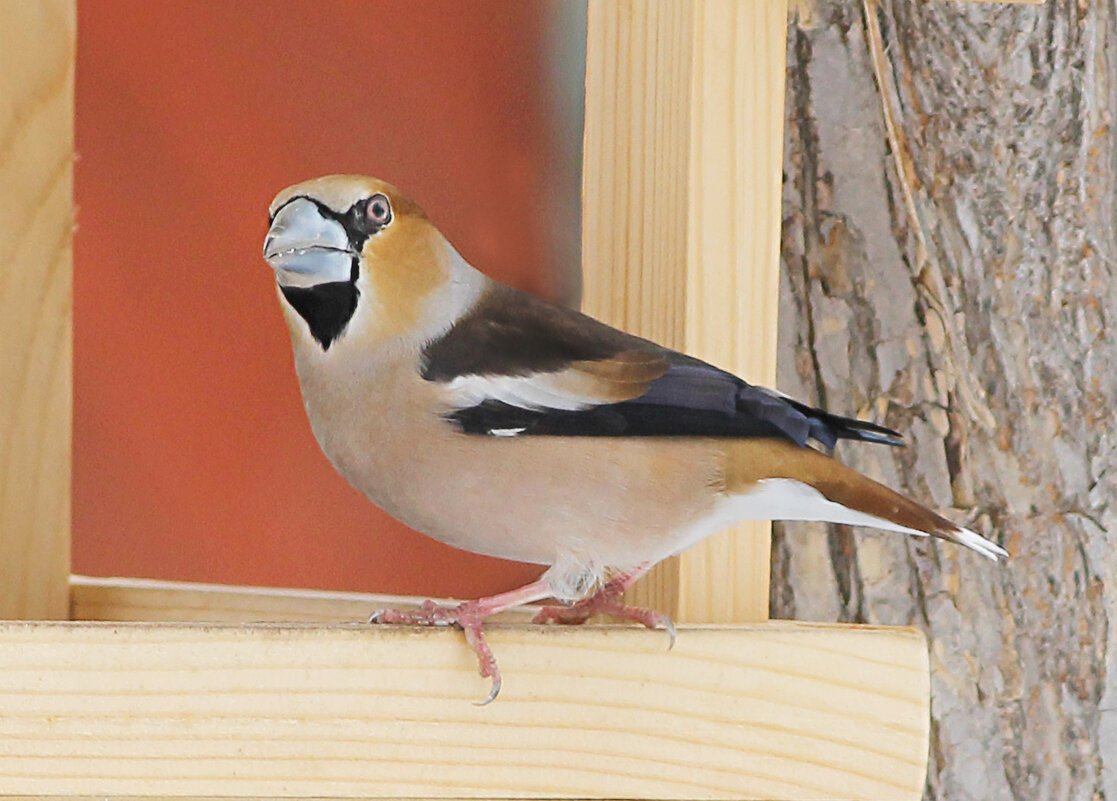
x: 154, y: 600
x: 682, y: 198
x: 781, y: 710
x: 36, y: 224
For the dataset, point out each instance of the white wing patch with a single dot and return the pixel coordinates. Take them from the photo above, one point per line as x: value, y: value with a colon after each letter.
x: 535, y: 392
x: 578, y: 385
x: 506, y: 432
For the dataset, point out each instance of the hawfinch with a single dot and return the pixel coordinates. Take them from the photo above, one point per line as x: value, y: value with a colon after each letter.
x: 498, y: 423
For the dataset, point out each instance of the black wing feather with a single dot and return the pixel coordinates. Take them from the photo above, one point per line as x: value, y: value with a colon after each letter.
x: 512, y: 333
x: 691, y: 399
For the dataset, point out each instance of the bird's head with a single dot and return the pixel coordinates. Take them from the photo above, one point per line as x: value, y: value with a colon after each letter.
x: 351, y: 252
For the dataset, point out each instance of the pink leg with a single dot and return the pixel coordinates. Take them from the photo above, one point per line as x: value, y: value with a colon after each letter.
x: 607, y: 601
x: 468, y: 616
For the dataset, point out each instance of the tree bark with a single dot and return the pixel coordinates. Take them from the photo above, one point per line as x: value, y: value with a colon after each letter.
x: 949, y: 270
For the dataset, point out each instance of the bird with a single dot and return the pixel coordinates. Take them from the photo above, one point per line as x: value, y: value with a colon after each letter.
x: 498, y: 423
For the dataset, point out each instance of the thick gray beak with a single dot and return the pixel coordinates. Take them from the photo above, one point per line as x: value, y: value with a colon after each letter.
x: 305, y: 248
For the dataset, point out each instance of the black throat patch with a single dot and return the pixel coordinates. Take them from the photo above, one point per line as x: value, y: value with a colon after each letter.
x: 327, y: 308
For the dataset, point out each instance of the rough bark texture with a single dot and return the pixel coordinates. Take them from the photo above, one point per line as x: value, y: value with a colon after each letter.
x: 949, y: 270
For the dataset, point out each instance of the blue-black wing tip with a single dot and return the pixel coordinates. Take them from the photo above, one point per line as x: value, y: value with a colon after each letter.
x: 870, y: 432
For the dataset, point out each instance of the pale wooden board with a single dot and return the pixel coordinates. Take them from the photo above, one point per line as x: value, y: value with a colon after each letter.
x: 681, y: 222
x: 736, y: 175
x: 36, y: 222
x: 152, y: 600
x: 634, y: 187
x: 775, y: 710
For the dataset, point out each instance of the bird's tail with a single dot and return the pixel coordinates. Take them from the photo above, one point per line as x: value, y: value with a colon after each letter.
x: 778, y: 480
x: 827, y: 428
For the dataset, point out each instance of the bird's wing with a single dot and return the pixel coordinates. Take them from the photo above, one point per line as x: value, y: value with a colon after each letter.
x: 517, y: 366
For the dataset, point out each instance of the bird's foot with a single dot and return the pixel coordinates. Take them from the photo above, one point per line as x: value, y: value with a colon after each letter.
x: 468, y: 616
x: 606, y: 601
x: 427, y: 614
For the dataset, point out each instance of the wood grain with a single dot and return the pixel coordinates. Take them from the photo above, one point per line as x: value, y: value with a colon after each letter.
x: 634, y: 188
x: 733, y: 255
x: 681, y: 220
x: 151, y: 600
x: 36, y: 222
x: 782, y: 710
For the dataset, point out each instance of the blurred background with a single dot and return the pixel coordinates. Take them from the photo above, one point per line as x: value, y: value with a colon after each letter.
x: 193, y: 459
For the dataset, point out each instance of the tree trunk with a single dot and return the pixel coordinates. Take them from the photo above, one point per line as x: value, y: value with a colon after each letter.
x: 949, y: 270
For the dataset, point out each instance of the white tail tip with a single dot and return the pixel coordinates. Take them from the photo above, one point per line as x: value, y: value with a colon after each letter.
x: 974, y: 541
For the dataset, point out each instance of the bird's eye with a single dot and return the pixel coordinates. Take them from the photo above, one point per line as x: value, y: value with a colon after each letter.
x: 378, y: 210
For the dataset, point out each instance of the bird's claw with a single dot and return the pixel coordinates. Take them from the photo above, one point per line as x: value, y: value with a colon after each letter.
x: 467, y: 618
x: 427, y: 614
x: 606, y: 602
x: 470, y: 616
x: 668, y: 625
x: 493, y: 692
x: 470, y: 621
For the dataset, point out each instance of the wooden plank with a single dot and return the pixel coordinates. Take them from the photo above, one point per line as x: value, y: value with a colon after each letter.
x: 634, y: 187
x: 36, y: 223
x: 151, y: 600
x: 736, y: 175
x: 681, y: 221
x: 782, y: 710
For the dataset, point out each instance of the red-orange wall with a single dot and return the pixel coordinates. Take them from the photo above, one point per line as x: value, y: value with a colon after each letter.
x: 192, y: 457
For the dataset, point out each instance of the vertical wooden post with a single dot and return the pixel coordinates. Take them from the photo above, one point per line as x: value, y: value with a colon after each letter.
x: 681, y: 218
x: 36, y: 221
